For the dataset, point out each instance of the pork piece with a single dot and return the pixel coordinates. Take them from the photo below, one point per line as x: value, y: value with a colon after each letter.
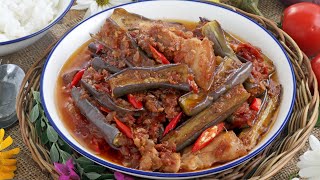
x: 169, y: 99
x: 161, y: 100
x: 130, y: 153
x: 225, y: 147
x: 180, y: 48
x: 243, y: 117
x: 152, y: 123
x: 171, y: 106
x: 150, y: 160
x: 155, y: 157
x: 170, y: 159
x: 173, y: 41
x: 153, y: 104
x: 122, y: 45
x: 95, y: 77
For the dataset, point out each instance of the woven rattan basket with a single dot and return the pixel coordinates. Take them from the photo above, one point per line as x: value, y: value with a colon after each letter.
x: 263, y: 166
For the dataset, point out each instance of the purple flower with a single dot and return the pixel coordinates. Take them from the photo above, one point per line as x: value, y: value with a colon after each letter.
x: 120, y: 176
x: 66, y: 171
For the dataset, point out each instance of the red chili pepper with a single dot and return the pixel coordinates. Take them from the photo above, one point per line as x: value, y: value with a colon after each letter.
x: 207, y: 136
x: 256, y: 104
x: 105, y: 109
x: 159, y: 56
x: 99, y: 48
x: 77, y: 77
x: 123, y: 128
x: 97, y: 86
x: 135, y: 103
x: 249, y: 52
x: 173, y: 123
x: 193, y: 85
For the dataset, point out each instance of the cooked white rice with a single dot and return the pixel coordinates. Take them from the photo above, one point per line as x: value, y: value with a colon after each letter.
x: 19, y: 18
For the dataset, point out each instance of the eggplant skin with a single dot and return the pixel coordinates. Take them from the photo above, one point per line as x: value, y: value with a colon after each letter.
x: 213, y: 31
x: 137, y: 79
x: 106, y: 101
x: 97, y: 63
x: 193, y: 104
x: 191, y: 129
x: 92, y: 114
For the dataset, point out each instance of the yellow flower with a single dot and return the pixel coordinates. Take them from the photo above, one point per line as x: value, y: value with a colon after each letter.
x: 7, y: 162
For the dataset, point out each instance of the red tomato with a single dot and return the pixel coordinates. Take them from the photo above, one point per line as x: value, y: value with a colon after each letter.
x: 302, y: 22
x: 315, y: 63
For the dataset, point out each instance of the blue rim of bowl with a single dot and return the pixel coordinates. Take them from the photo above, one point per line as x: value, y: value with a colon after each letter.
x: 42, y: 30
x: 171, y: 175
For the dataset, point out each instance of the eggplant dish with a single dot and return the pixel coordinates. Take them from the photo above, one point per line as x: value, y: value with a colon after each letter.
x: 167, y: 96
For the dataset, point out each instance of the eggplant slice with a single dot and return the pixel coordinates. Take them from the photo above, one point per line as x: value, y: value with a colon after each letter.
x: 191, y: 129
x: 213, y: 31
x: 137, y: 79
x: 92, y: 113
x: 251, y: 135
x: 97, y: 63
x: 105, y: 100
x: 193, y: 104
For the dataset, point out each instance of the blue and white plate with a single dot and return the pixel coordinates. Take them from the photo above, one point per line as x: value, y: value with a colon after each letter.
x: 231, y: 21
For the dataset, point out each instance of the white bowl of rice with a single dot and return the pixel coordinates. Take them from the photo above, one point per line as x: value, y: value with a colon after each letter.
x: 23, y: 22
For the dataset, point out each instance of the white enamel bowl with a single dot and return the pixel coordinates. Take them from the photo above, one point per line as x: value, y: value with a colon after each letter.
x: 8, y: 47
x: 185, y: 10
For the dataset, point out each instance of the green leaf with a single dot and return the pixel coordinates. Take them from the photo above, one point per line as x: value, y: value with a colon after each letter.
x: 85, y: 178
x: 64, y: 146
x: 83, y: 162
x: 64, y: 156
x: 45, y: 119
x: 54, y: 153
x: 52, y: 134
x: 60, y: 142
x: 80, y: 170
x: 44, y: 138
x: 34, y: 113
x: 36, y: 96
x: 92, y: 175
x: 106, y: 176
x: 94, y: 168
x: 43, y: 123
x: 38, y: 128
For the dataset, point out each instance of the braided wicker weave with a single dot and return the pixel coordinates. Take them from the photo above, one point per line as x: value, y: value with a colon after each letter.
x: 263, y: 166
